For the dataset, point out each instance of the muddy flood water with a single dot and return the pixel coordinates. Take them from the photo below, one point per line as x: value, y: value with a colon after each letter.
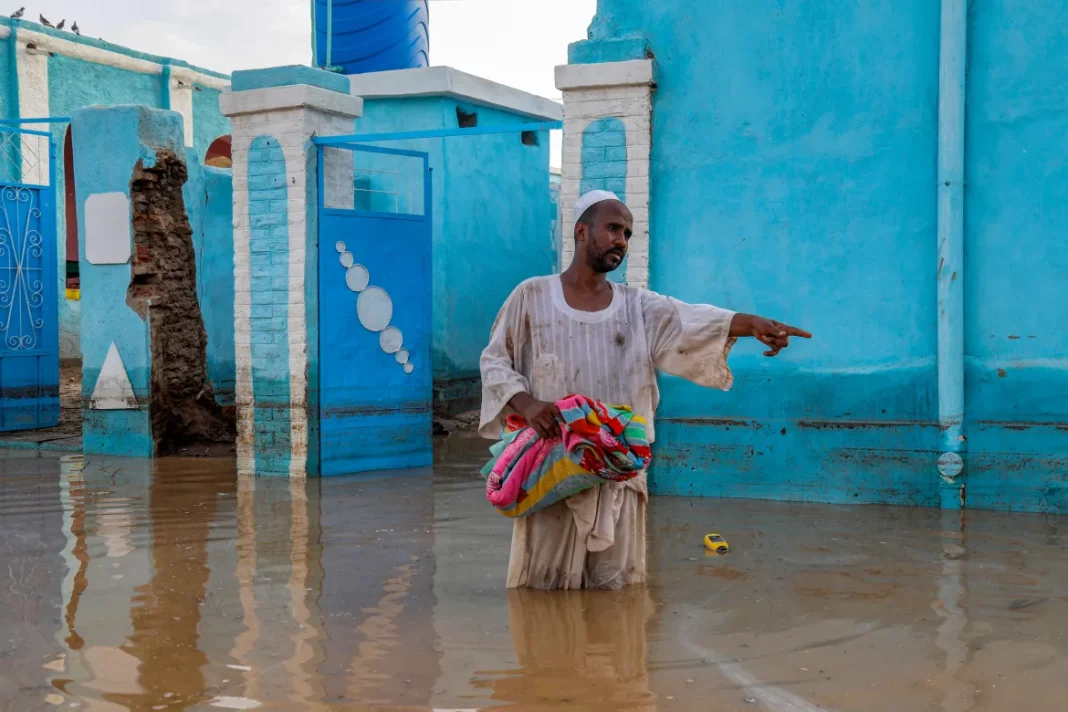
x: 128, y: 585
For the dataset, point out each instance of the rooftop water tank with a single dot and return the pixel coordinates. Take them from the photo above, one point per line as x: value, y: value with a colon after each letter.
x: 357, y: 36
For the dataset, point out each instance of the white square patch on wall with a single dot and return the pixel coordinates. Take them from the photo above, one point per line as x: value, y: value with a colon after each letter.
x: 108, y: 233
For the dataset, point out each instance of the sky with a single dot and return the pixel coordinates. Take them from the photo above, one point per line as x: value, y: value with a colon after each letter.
x: 515, y: 42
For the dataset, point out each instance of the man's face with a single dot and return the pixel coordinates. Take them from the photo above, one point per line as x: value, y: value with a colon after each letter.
x: 606, y: 240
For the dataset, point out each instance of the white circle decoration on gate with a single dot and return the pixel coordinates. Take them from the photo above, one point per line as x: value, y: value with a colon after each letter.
x: 391, y: 340
x: 357, y: 277
x: 375, y: 308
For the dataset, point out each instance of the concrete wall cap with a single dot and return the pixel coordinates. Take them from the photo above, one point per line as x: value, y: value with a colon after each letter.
x: 295, y: 96
x: 446, y: 81
x: 608, y: 74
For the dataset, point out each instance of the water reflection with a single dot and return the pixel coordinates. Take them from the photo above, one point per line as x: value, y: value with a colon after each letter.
x: 578, y: 650
x: 176, y: 585
x: 959, y: 696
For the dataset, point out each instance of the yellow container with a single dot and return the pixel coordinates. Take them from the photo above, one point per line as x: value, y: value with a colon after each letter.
x: 716, y: 543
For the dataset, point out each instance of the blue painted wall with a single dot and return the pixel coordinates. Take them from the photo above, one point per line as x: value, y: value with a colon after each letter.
x: 76, y: 83
x: 208, y: 195
x: 793, y: 175
x: 489, y: 211
x: 111, y: 141
x: 269, y: 261
x: 8, y: 93
x: 1016, y: 210
x: 495, y: 217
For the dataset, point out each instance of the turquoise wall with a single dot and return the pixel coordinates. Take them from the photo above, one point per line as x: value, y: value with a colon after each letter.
x: 74, y: 84
x: 9, y: 91
x: 1016, y: 210
x: 10, y: 163
x: 495, y: 218
x: 489, y: 217
x: 793, y: 175
x: 208, y: 196
x: 110, y: 142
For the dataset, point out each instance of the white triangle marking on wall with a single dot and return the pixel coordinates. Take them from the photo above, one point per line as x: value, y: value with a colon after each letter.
x: 113, y: 389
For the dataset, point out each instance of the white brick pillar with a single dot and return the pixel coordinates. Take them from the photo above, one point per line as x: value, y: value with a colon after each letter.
x: 607, y: 139
x: 275, y: 248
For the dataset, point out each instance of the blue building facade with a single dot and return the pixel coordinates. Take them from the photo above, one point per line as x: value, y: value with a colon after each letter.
x: 50, y: 73
x: 490, y: 209
x: 882, y: 175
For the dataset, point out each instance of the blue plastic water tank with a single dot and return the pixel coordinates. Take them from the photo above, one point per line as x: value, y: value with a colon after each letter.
x: 360, y: 36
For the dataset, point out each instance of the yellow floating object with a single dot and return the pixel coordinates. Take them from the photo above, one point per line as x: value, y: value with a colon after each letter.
x: 714, y: 542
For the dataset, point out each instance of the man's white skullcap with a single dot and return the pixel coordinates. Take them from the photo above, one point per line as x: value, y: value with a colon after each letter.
x: 590, y: 199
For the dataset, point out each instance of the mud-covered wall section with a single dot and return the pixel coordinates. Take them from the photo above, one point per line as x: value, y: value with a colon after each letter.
x: 163, y: 291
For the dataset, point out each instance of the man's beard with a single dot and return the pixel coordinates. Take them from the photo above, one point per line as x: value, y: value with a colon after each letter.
x: 599, y: 263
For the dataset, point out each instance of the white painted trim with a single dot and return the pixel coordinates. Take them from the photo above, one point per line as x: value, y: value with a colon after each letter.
x: 446, y: 81
x: 32, y: 73
x: 99, y: 55
x: 606, y: 74
x: 297, y: 96
x: 244, y: 397
x: 5, y: 32
x: 181, y: 100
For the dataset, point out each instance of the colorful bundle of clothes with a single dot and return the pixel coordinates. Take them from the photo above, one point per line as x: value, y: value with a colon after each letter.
x: 600, y: 443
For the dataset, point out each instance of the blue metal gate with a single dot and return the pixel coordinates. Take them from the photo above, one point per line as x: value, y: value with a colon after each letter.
x: 374, y: 309
x: 29, y: 329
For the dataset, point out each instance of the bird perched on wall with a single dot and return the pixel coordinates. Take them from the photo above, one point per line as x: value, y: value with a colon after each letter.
x: 74, y: 28
x: 61, y: 24
x: 45, y: 22
x: 18, y: 13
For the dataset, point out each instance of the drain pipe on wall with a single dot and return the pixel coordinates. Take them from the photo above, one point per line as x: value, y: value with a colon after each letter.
x: 951, y: 82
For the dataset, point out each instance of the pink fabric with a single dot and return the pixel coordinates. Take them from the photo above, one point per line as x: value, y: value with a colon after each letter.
x: 601, y: 442
x: 529, y: 462
x: 503, y: 496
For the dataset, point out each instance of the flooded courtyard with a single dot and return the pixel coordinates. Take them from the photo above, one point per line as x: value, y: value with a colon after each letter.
x: 175, y: 585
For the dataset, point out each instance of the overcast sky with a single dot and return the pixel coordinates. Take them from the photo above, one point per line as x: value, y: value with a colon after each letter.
x: 516, y: 42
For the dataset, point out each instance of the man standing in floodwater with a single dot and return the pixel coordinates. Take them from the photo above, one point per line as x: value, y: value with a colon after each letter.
x: 579, y: 333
